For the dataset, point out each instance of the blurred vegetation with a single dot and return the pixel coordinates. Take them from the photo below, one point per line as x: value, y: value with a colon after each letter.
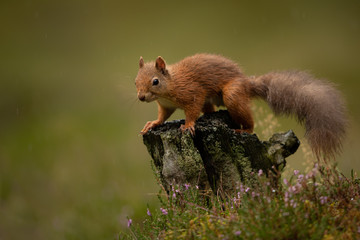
x: 71, y: 162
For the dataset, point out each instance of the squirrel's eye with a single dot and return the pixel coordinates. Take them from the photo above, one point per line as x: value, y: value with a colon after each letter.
x: 155, y: 82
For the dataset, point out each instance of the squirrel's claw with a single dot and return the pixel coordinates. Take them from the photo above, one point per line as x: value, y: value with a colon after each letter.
x: 190, y: 128
x: 149, y: 125
x: 248, y: 131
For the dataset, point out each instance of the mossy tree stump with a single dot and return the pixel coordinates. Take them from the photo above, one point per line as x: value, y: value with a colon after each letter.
x: 216, y: 156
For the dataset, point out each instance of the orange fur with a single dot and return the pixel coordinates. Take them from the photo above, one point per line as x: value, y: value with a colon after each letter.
x: 199, y: 83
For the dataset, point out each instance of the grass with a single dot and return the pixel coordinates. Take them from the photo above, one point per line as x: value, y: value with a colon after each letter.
x: 319, y: 204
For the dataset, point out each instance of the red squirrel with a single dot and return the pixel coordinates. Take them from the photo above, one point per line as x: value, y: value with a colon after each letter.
x: 200, y: 82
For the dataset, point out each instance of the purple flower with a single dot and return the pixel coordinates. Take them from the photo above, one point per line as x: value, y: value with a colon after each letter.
x: 148, y: 212
x: 293, y: 203
x: 300, y: 177
x: 242, y: 188
x: 292, y: 189
x: 260, y: 172
x: 247, y: 189
x: 323, y: 200
x: 164, y: 212
x: 237, y: 233
x: 286, y: 182
x: 296, y: 172
x: 286, y: 194
x: 186, y: 186
x: 129, y: 222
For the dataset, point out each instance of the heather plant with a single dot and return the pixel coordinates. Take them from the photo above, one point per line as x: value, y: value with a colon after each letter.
x: 319, y: 204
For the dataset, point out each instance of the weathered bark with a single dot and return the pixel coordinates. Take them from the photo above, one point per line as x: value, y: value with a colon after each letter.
x: 216, y: 156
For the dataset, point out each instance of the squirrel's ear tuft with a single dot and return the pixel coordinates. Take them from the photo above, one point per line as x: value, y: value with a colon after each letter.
x: 160, y: 64
x: 141, y: 62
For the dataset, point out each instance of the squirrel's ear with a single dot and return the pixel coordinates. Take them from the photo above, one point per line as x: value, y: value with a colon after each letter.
x: 160, y: 64
x: 141, y: 62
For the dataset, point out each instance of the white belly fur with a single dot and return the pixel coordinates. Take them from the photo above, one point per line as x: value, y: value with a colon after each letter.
x: 167, y: 103
x: 217, y: 101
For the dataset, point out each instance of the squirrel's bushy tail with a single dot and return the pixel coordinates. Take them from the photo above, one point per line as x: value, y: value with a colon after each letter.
x: 315, y: 103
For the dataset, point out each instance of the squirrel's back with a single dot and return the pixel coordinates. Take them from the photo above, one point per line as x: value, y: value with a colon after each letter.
x: 206, y: 68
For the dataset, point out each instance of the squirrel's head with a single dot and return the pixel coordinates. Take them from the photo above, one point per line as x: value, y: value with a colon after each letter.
x: 151, y: 80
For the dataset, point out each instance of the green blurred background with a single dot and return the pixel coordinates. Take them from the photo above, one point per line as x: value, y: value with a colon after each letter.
x: 72, y: 163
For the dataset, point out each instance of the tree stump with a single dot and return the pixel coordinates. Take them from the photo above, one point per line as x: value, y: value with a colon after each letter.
x: 216, y: 157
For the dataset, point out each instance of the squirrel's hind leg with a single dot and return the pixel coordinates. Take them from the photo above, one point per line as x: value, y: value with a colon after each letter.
x: 238, y: 104
x: 208, y: 108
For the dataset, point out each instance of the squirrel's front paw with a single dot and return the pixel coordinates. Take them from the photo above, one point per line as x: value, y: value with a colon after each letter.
x: 149, y: 125
x: 190, y: 128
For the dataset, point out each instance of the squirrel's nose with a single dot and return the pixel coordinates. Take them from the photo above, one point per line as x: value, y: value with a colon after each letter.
x: 141, y: 97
